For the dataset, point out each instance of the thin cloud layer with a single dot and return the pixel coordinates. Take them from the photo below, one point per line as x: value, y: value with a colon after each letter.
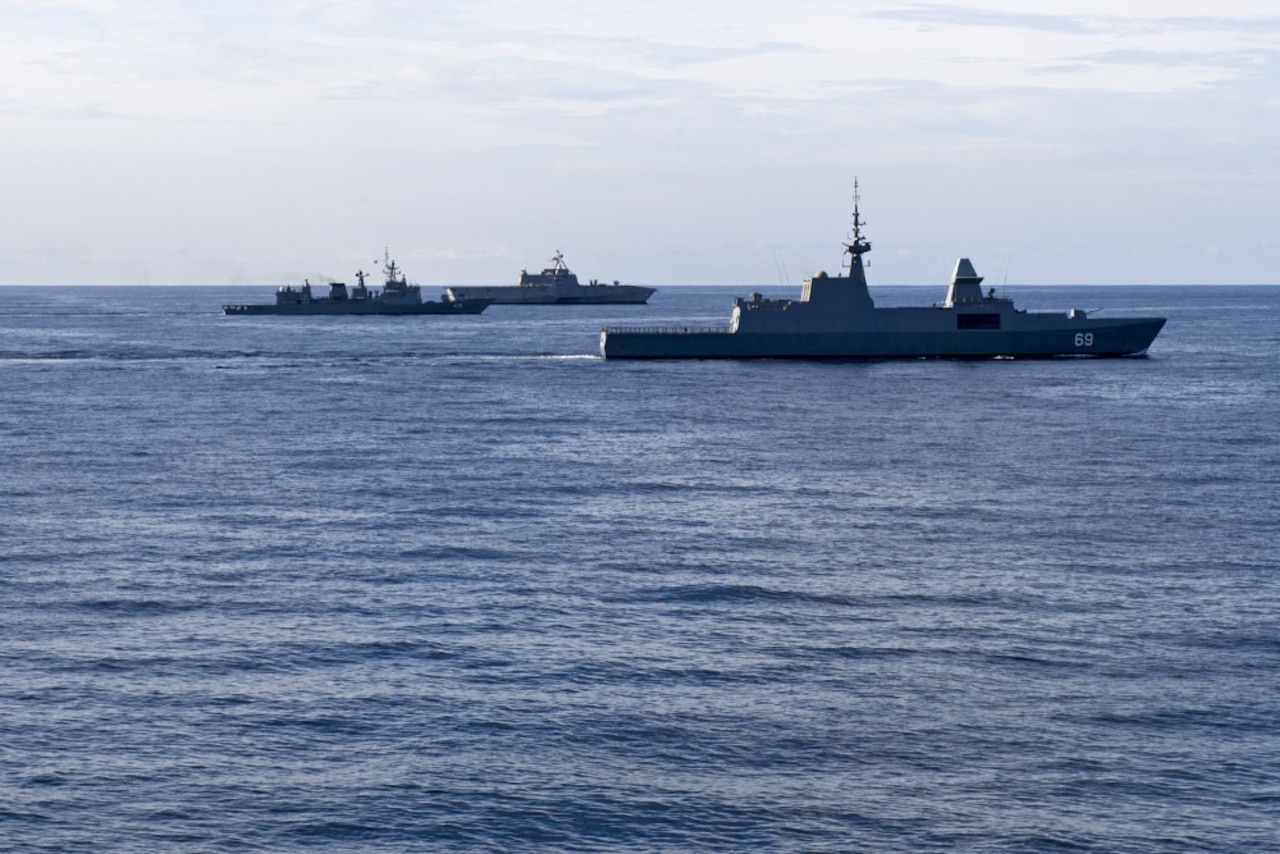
x: 667, y: 143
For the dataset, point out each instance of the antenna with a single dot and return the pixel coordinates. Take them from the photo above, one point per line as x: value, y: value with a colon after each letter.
x: 857, y: 245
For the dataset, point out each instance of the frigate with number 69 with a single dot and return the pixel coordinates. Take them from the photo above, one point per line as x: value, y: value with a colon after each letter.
x: 835, y: 318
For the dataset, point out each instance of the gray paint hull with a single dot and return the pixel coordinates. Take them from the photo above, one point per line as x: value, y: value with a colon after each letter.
x: 556, y: 294
x: 361, y: 307
x: 1043, y: 339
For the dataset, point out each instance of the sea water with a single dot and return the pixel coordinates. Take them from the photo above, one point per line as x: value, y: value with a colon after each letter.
x: 458, y: 584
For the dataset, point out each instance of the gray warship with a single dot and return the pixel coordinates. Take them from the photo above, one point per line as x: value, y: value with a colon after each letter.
x: 555, y: 285
x: 396, y: 297
x: 835, y: 318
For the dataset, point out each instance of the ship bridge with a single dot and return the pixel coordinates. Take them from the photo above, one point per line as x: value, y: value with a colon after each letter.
x: 966, y: 285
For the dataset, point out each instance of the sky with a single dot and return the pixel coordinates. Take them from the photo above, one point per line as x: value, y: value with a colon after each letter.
x: 664, y: 142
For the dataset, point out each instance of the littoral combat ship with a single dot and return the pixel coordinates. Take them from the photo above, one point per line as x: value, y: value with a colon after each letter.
x: 555, y: 285
x: 836, y: 318
x: 396, y: 297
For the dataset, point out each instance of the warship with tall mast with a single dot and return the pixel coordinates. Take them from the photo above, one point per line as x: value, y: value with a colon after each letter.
x: 555, y: 285
x: 835, y: 318
x: 397, y: 296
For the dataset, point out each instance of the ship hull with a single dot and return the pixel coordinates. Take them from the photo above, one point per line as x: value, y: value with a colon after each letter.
x: 556, y: 295
x: 1098, y: 338
x: 361, y: 308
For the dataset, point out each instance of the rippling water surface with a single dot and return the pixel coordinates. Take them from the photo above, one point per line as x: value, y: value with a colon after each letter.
x: 456, y: 584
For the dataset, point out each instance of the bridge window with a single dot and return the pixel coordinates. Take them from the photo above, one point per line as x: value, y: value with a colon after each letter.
x: 977, y: 321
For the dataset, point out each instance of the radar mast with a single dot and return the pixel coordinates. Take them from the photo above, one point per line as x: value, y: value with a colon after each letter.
x: 857, y: 245
x: 392, y: 271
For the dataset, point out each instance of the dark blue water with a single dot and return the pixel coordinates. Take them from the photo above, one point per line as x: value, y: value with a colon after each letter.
x: 456, y: 584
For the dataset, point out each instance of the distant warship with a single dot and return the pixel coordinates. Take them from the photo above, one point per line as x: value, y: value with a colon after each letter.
x: 396, y: 297
x: 555, y: 285
x: 836, y: 318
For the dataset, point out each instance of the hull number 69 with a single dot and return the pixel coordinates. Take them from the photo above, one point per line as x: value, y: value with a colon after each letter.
x: 1084, y: 339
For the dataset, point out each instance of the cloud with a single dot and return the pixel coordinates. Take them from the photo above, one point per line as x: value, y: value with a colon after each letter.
x: 970, y: 16
x: 664, y: 131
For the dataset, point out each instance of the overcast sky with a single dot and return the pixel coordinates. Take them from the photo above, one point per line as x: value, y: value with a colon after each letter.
x: 663, y: 142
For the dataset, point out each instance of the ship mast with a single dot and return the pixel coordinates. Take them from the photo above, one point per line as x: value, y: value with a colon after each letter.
x: 857, y: 245
x: 389, y: 267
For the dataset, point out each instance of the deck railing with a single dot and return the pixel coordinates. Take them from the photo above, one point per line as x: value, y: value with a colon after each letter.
x: 668, y: 330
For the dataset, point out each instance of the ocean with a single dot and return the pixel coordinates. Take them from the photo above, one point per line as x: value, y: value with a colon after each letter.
x: 458, y: 584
